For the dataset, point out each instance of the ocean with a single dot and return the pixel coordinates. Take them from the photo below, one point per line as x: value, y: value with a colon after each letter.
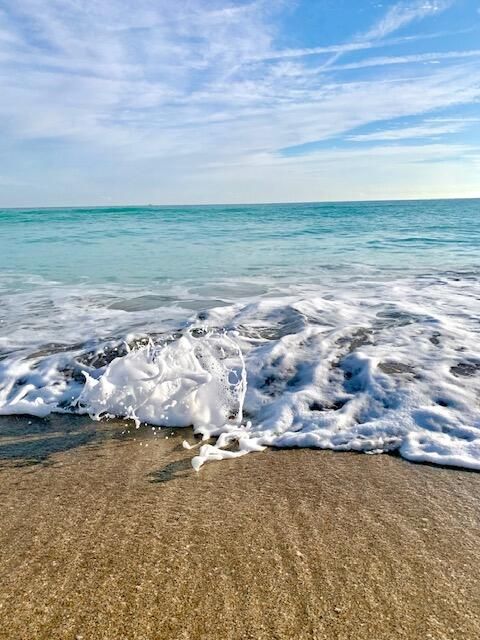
x: 346, y: 326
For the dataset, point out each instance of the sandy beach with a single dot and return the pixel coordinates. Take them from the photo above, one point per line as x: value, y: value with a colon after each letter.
x: 114, y: 536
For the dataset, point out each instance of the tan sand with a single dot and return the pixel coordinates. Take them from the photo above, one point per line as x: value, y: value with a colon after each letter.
x: 116, y: 540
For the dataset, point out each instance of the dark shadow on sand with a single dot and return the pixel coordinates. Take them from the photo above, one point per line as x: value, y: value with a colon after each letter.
x: 171, y: 471
x: 27, y: 440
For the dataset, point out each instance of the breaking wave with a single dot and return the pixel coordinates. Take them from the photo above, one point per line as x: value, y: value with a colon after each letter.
x: 357, y: 366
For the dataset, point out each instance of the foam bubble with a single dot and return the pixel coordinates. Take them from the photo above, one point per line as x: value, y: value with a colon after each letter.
x: 368, y: 366
x: 190, y: 381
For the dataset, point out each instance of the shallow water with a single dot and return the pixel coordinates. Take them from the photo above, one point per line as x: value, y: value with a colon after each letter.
x: 342, y: 326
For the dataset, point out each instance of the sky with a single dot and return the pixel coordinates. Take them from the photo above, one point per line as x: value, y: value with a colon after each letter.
x: 214, y: 101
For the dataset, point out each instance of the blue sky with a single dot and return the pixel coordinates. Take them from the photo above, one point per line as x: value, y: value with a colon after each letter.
x: 155, y: 101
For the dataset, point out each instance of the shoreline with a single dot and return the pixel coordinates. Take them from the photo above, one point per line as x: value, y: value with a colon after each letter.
x: 117, y: 539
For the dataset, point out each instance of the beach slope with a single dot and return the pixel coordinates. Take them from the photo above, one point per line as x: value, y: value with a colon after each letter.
x: 118, y: 540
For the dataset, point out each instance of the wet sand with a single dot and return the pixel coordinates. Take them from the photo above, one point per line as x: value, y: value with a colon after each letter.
x: 104, y: 537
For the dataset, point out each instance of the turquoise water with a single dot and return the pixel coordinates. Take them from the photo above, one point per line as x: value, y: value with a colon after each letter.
x: 145, y: 245
x: 348, y: 326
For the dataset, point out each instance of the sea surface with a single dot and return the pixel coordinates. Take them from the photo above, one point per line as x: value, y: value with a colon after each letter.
x: 347, y: 326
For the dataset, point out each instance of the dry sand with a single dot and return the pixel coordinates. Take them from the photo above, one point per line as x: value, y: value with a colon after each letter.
x: 101, y: 537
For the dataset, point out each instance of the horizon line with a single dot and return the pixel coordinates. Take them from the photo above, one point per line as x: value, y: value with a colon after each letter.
x: 236, y: 204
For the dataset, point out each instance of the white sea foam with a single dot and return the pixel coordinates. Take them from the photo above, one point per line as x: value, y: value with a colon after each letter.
x: 363, y: 366
x: 184, y: 382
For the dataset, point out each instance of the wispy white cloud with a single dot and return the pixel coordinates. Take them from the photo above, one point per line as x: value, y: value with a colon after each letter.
x: 195, y: 87
x: 431, y: 57
x: 97, y: 73
x: 425, y: 130
x: 404, y: 13
x: 422, y: 170
x: 293, y: 69
x: 465, y: 120
x: 397, y: 17
x: 359, y: 44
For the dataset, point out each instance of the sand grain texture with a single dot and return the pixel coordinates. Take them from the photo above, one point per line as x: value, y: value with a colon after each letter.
x: 117, y: 541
